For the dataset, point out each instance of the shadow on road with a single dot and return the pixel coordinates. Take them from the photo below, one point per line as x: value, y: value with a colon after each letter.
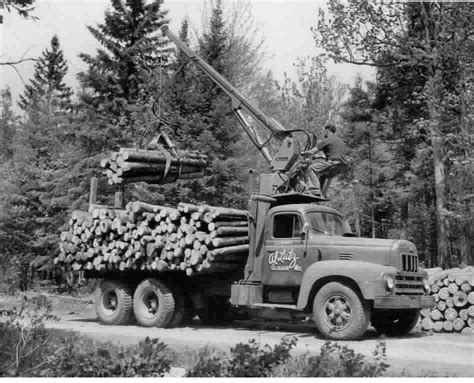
x: 301, y: 330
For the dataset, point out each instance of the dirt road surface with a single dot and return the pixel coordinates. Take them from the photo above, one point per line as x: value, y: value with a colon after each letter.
x: 416, y: 354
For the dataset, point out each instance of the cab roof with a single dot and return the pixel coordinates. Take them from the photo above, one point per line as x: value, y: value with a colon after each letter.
x: 304, y: 207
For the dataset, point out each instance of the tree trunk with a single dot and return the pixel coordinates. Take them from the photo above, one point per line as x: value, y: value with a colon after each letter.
x: 403, y: 219
x: 439, y: 174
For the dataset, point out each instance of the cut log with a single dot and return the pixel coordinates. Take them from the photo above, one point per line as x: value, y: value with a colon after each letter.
x: 464, y: 314
x: 196, y: 257
x: 229, y: 241
x: 427, y: 324
x: 447, y: 326
x: 230, y: 250
x: 214, y: 225
x: 470, y: 322
x: 458, y: 324
x: 441, y: 305
x: 141, y: 207
x: 425, y: 313
x: 467, y: 331
x: 449, y: 302
x: 434, y: 288
x: 226, y: 231
x: 462, y: 278
x: 444, y: 293
x: 450, y: 314
x: 470, y: 297
x: 438, y: 326
x: 453, y: 288
x: 187, y: 207
x: 465, y: 287
x: 470, y: 310
x: 460, y: 299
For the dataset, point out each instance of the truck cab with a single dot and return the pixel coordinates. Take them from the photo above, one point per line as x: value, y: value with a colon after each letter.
x: 304, y: 261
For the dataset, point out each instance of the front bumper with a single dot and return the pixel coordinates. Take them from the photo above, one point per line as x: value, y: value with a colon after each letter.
x: 404, y: 302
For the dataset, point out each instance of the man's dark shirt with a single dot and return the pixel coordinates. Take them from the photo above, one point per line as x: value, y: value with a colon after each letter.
x: 334, y: 148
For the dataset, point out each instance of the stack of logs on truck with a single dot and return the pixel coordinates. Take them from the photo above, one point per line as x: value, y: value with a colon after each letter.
x: 454, y: 295
x: 190, y: 238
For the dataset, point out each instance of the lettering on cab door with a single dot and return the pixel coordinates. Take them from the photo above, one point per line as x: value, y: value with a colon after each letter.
x: 284, y: 260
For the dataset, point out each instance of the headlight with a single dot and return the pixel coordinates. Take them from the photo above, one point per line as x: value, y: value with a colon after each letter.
x: 426, y: 285
x: 389, y: 282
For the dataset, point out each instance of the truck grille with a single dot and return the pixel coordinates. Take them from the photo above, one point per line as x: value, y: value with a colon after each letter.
x: 410, y: 262
x: 406, y: 284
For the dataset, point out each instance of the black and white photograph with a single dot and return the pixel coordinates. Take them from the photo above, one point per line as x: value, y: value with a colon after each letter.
x: 236, y: 188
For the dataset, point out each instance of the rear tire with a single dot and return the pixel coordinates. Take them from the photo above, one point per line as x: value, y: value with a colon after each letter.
x: 395, y: 322
x: 114, y: 303
x: 339, y: 312
x: 153, y: 303
x: 179, y: 308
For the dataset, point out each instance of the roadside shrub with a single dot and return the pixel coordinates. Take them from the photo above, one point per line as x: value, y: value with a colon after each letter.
x: 27, y: 348
x: 23, y: 337
x: 210, y: 363
x: 335, y: 360
x: 246, y: 360
x: 82, y: 357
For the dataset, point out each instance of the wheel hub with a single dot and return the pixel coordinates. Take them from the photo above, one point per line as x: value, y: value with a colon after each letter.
x: 151, y: 303
x: 110, y: 302
x: 337, y: 310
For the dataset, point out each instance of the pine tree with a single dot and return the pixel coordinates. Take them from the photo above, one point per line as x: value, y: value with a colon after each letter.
x: 132, y: 50
x: 7, y: 124
x: 47, y: 89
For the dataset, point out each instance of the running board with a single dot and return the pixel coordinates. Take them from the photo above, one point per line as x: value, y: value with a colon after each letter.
x: 273, y: 306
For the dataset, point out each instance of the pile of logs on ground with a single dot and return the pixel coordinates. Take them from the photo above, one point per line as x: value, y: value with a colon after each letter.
x: 454, y: 295
x: 152, y: 166
x: 192, y: 239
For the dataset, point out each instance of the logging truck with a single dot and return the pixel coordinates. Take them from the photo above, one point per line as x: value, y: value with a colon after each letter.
x: 287, y: 257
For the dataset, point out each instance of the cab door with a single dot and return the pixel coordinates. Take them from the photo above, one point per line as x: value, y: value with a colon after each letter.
x: 284, y: 260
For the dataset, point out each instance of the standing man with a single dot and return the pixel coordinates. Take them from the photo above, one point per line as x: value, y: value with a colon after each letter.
x: 334, y: 149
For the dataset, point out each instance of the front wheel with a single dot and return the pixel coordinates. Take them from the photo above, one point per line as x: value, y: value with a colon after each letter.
x: 114, y: 302
x: 153, y: 303
x: 395, y: 322
x: 340, y: 313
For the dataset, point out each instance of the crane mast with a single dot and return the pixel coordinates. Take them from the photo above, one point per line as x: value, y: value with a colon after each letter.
x: 289, y: 151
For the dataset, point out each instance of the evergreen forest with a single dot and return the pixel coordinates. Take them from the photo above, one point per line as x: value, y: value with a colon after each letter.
x: 409, y: 131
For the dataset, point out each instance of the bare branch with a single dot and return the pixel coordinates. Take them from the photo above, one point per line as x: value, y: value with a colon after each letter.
x: 22, y: 60
x: 19, y: 61
x: 17, y: 72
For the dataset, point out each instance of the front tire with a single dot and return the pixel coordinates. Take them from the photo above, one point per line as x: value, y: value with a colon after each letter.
x: 153, y: 303
x: 113, y: 302
x: 395, y: 322
x: 340, y: 313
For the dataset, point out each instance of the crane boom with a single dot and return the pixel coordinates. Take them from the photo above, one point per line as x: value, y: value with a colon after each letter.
x: 239, y: 101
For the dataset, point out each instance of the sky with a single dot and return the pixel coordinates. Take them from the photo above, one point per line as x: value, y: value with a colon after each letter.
x: 285, y: 25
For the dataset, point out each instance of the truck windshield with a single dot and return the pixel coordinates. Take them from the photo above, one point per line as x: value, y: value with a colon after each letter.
x: 328, y: 223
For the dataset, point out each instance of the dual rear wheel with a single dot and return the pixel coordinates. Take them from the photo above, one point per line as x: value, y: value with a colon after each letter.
x: 153, y: 303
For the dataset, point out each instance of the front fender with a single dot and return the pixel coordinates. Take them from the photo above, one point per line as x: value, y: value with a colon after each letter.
x: 368, y: 276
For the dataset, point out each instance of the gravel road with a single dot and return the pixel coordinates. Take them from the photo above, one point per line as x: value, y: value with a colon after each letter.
x: 416, y: 354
